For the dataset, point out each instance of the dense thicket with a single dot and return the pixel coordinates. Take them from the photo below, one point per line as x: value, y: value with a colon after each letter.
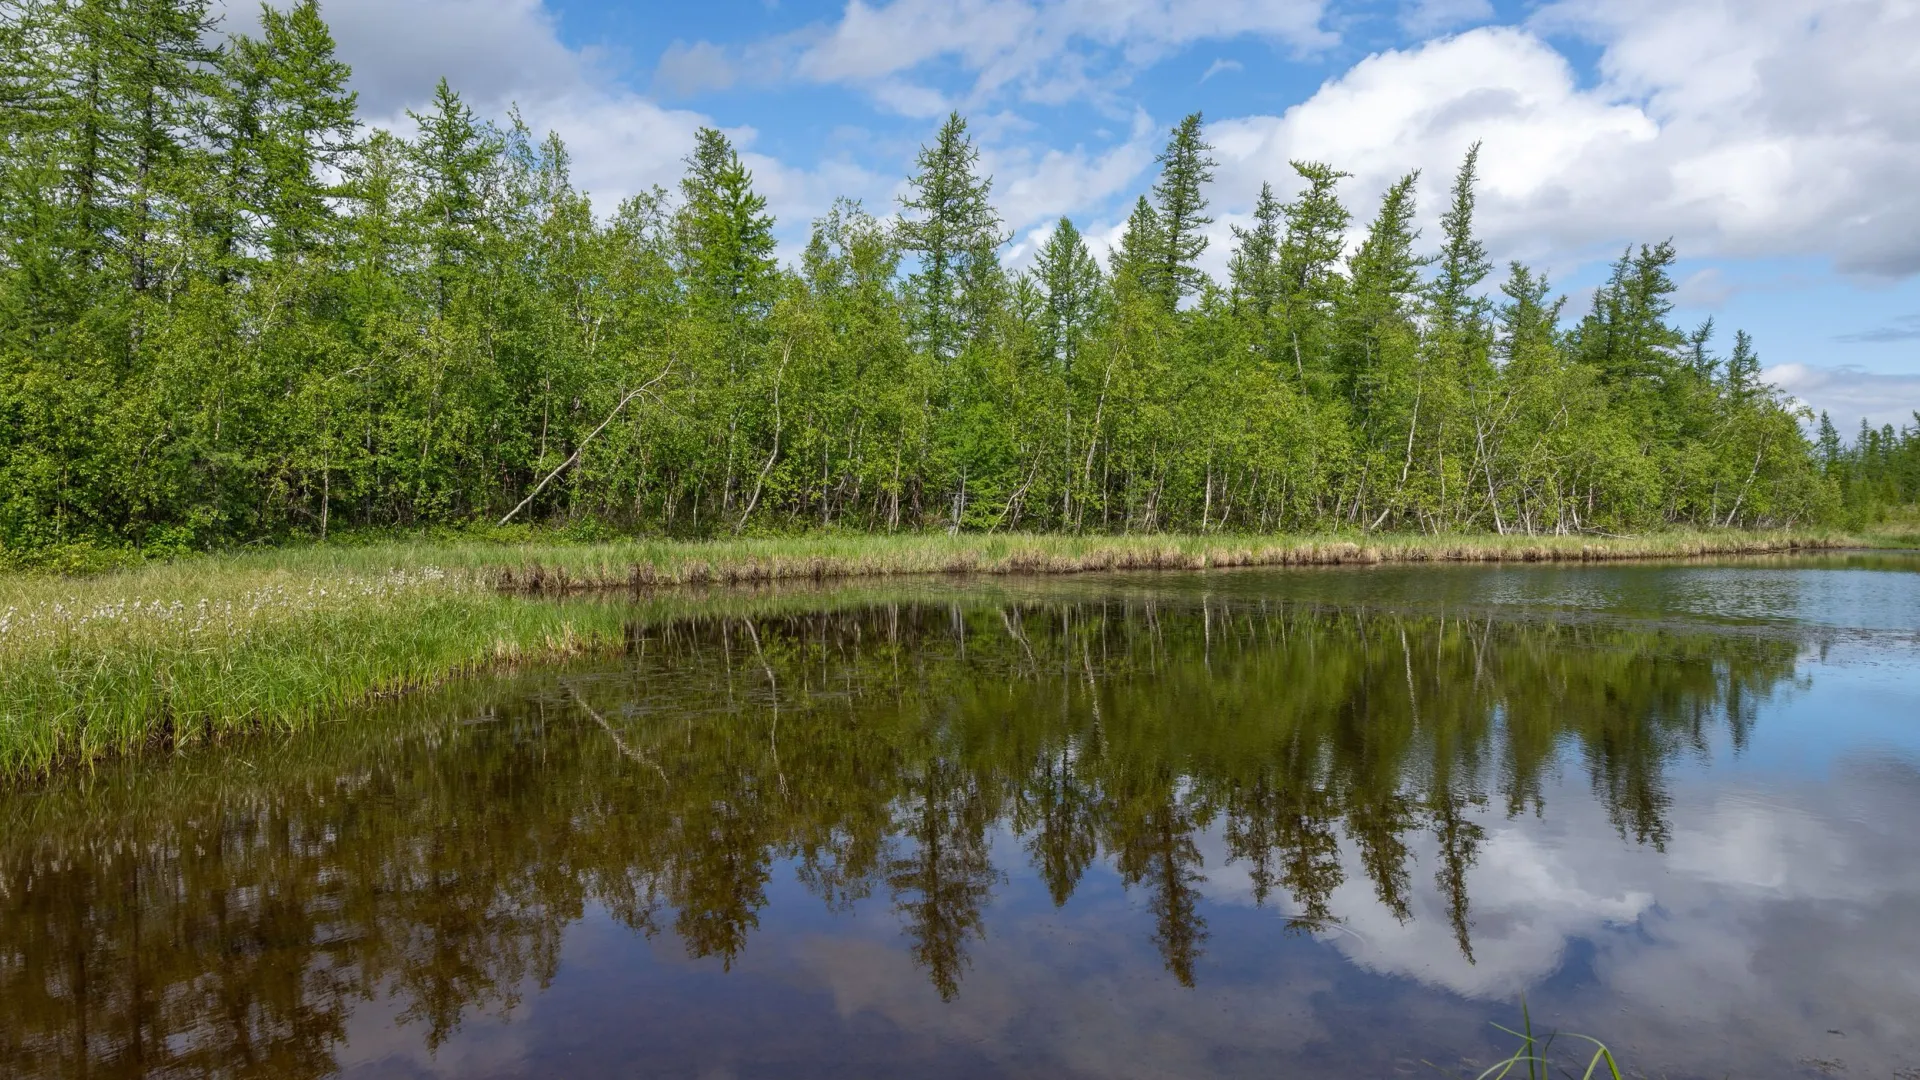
x: 229, y: 311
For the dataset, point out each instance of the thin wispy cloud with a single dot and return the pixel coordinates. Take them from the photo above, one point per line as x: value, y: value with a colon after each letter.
x: 1426, y: 17
x: 1041, y: 52
x: 688, y: 69
x: 1849, y: 393
x: 1904, y: 328
x: 1220, y: 66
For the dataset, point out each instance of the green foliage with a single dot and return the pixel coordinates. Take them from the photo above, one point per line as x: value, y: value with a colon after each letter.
x: 228, y: 313
x: 1877, y: 477
x: 1069, y: 282
x: 724, y: 233
x: 953, y: 232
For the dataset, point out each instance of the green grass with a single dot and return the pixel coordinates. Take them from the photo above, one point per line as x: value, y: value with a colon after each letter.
x: 1534, y: 1058
x: 1899, y: 529
x: 123, y: 662
x: 170, y: 654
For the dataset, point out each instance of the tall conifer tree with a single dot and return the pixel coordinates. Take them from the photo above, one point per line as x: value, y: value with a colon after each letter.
x: 726, y: 234
x: 952, y: 229
x: 1142, y: 241
x: 1180, y: 202
x: 1384, y: 280
x: 1309, y: 258
x: 457, y: 157
x: 311, y: 127
x: 1253, y: 272
x: 1069, y: 281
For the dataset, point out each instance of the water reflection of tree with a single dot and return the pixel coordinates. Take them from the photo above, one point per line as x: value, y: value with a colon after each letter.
x: 1058, y: 814
x: 1151, y: 835
x: 187, y: 920
x: 942, y: 882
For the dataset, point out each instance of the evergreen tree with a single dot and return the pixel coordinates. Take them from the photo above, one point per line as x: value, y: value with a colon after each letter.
x: 1309, y: 256
x: 1458, y: 311
x: 1141, y: 242
x: 952, y: 229
x: 1626, y: 335
x: 1828, y: 444
x: 1180, y: 204
x: 1069, y: 281
x: 162, y: 66
x: 726, y: 234
x: 457, y: 157
x: 1384, y: 276
x: 1253, y: 272
x: 1743, y: 369
x: 1528, y: 320
x: 310, y: 128
x: 229, y: 210
x: 1705, y: 364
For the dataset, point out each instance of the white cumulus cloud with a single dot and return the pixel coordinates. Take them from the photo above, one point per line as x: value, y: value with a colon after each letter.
x: 1773, y: 128
x: 1847, y: 393
x: 1047, y: 52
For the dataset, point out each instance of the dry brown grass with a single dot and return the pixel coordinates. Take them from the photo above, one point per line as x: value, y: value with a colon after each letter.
x: 640, y: 567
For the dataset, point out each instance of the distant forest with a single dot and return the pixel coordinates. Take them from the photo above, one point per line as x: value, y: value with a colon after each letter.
x: 231, y: 312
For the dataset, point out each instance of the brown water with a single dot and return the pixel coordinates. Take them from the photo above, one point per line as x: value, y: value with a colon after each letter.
x: 1272, y: 823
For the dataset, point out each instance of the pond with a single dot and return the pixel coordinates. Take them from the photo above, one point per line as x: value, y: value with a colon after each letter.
x: 1333, y: 822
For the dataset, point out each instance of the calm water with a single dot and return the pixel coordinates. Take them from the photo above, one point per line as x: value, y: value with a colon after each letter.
x: 1267, y: 823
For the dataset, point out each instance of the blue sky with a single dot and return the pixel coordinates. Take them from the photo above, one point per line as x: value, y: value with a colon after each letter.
x: 1776, y: 141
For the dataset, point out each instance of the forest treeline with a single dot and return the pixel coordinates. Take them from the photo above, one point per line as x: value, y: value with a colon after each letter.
x: 231, y: 311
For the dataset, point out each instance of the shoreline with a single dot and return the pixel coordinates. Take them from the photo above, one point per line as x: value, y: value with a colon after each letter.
x: 169, y: 656
x: 1046, y: 556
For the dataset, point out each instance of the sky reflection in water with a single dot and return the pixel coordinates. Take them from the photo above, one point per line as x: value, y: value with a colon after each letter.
x: 1264, y: 823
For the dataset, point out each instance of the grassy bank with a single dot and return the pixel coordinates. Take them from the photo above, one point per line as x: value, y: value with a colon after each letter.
x: 172, y: 654
x: 1900, y: 529
x: 545, y: 566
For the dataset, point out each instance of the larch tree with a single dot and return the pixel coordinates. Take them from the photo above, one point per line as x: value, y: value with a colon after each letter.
x: 1180, y: 204
x: 1069, y: 283
x: 950, y: 227
x: 1309, y: 264
x: 1253, y: 271
x: 725, y: 232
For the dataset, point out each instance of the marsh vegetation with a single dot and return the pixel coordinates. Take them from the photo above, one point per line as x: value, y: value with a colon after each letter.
x: 171, y: 655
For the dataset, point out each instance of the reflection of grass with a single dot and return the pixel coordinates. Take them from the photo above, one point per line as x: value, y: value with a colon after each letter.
x: 176, y: 653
